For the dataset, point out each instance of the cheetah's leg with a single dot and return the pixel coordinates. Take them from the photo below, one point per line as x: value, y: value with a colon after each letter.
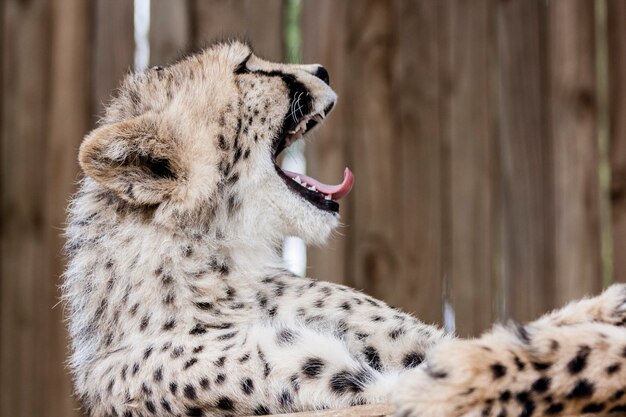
x: 565, y: 363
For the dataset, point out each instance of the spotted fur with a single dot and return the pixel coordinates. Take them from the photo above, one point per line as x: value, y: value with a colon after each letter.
x: 178, y: 303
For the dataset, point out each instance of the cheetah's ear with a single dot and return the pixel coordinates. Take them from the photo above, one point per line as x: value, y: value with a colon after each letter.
x: 133, y: 159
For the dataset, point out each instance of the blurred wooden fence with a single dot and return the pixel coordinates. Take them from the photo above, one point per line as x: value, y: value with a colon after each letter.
x: 481, y: 134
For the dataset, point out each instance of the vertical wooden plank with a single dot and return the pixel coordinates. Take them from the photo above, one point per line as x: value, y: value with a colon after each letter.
x: 384, y: 62
x: 45, y: 100
x: 324, y: 41
x: 616, y: 13
x: 573, y: 129
x: 411, y: 197
x: 24, y: 96
x: 69, y: 94
x: 371, y: 256
x: 113, y: 48
x: 525, y: 158
x: 469, y: 117
x: 170, y: 30
x: 258, y: 21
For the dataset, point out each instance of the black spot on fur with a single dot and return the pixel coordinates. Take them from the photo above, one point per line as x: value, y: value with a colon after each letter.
x: 285, y: 399
x: 198, y: 349
x: 145, y: 320
x: 221, y: 142
x: 372, y: 357
x: 247, y: 386
x: 220, y: 378
x: 286, y: 337
x: 261, y: 410
x: 194, y: 412
x: 150, y: 406
x: 541, y: 366
x: 593, y: 408
x: 226, y: 336
x: 135, y: 368
x: 497, y: 370
x: 528, y: 408
x: 204, y: 305
x: 166, y: 405
x: 204, y: 383
x: 394, y: 334
x: 225, y: 403
x: 177, y: 351
x: 412, y: 359
x: 579, y: 362
x: 518, y: 362
x: 505, y: 396
x: 541, y: 385
x: 190, y: 392
x: 173, y: 388
x: 158, y: 374
x: 147, y: 353
x: 617, y: 395
x: 618, y: 408
x: 190, y: 363
x: 349, y: 382
x: 169, y: 325
x: 313, y: 367
x: 582, y: 389
x: 555, y: 408
x: 611, y: 369
x: 220, y: 361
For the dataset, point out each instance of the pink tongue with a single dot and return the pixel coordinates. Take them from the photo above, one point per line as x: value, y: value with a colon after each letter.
x: 335, y: 191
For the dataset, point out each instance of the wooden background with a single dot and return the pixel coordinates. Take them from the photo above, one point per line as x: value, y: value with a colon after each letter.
x: 488, y: 140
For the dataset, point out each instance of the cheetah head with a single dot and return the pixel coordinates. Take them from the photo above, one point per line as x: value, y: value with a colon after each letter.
x: 197, y: 142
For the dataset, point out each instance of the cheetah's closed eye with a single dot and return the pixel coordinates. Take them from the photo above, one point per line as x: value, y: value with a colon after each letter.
x: 179, y: 304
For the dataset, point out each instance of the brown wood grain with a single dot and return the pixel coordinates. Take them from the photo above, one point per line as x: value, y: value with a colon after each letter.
x: 413, y: 197
x: 616, y: 13
x: 471, y: 186
x: 113, y: 49
x: 261, y: 22
x: 574, y: 133
x: 370, y: 410
x: 170, y: 30
x: 324, y: 41
x: 525, y: 159
x: 45, y: 104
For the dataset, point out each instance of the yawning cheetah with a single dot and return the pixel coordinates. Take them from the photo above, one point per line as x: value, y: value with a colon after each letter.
x: 179, y: 303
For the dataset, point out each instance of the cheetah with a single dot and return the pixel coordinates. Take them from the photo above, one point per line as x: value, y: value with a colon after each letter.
x: 179, y: 304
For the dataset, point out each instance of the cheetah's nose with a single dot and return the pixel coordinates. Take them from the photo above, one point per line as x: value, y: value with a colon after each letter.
x: 322, y: 74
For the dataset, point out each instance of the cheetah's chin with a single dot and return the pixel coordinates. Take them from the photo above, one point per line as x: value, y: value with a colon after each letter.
x: 321, y: 195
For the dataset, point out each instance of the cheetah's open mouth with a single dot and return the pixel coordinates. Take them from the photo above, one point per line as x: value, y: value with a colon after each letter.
x: 322, y: 196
